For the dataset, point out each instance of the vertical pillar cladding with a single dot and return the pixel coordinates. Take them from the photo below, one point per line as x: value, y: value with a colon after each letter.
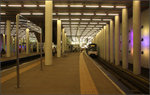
x: 63, y: 40
x: 4, y: 41
x: 104, y: 42
x: 117, y: 40
x: 8, y: 26
x: 136, y: 37
x: 27, y: 41
x: 108, y: 42
x: 111, y: 41
x: 58, y: 38
x: 125, y: 38
x: 48, y: 32
x: 37, y: 45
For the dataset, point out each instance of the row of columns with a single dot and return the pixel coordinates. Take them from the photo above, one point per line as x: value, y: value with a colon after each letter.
x: 110, y: 35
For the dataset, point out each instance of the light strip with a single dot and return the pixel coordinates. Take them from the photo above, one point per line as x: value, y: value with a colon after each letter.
x: 64, y: 19
x: 61, y: 5
x: 93, y: 22
x: 75, y: 19
x: 37, y: 13
x: 86, y: 19
x: 99, y: 26
x: 63, y: 13
x: 97, y: 19
x: 65, y: 22
x: 82, y: 25
x: 3, y: 13
x: 103, y: 6
x: 30, y: 5
x: 92, y: 6
x: 75, y: 13
x: 101, y: 14
x: 83, y: 22
x: 106, y: 19
x: 102, y: 23
x: 112, y: 14
x: 120, y: 6
x: 88, y: 13
x: 41, y: 5
x: 25, y: 13
x: 74, y: 22
x: 54, y: 13
x: 76, y: 6
x: 14, y: 5
x: 2, y: 5
x: 55, y: 18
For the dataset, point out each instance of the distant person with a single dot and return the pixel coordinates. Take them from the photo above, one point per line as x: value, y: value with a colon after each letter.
x: 3, y: 52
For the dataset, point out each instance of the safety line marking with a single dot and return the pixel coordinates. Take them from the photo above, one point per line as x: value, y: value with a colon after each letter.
x: 87, y: 85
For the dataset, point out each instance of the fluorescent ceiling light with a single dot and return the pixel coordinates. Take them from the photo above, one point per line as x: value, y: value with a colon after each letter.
x: 65, y: 22
x: 41, y: 5
x: 76, y: 5
x: 92, y: 6
x: 97, y: 19
x: 14, y: 5
x: 3, y: 13
x: 30, y: 5
x: 65, y: 25
x: 25, y: 13
x: 75, y: 19
x: 90, y: 25
x: 93, y: 22
x: 54, y: 13
x: 106, y: 19
x: 120, y: 6
x: 2, y: 22
x: 99, y: 26
x: 37, y: 13
x: 64, y: 19
x: 86, y: 19
x: 2, y: 5
x: 61, y: 5
x: 74, y: 22
x: 83, y: 22
x: 95, y: 28
x: 101, y: 14
x: 75, y: 13
x: 88, y: 13
x: 103, y: 6
x: 112, y: 14
x: 82, y: 25
x: 63, y: 13
x: 55, y: 18
x: 102, y: 23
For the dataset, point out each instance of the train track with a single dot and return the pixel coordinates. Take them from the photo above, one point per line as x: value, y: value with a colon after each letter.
x: 136, y: 84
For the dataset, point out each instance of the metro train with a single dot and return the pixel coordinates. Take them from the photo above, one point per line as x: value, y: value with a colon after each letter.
x: 92, y: 50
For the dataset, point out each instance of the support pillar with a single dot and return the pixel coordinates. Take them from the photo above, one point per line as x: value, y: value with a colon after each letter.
x: 27, y: 41
x: 4, y: 41
x: 117, y: 41
x: 111, y: 41
x: 48, y: 32
x: 37, y: 47
x: 125, y: 38
x: 104, y: 42
x: 107, y: 43
x: 63, y: 40
x: 58, y: 38
x: 136, y: 37
x: 8, y: 26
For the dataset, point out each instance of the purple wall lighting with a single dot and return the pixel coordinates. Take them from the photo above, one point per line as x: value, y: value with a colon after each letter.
x: 131, y: 41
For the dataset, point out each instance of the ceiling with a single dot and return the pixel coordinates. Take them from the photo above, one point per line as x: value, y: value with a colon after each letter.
x: 80, y: 18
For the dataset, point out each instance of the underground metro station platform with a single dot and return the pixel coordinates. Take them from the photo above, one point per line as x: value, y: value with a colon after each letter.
x: 74, y: 47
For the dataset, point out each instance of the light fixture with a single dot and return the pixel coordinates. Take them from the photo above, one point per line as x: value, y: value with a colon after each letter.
x: 103, y: 14
x: 74, y: 22
x: 41, y: 5
x: 75, y: 19
x: 61, y: 5
x: 88, y: 13
x: 99, y: 26
x: 92, y: 6
x: 30, y: 5
x: 76, y: 6
x: 14, y: 5
x: 37, y: 13
x: 105, y: 6
x: 63, y: 13
x: 102, y: 23
x: 86, y: 19
x: 25, y: 13
x: 93, y: 22
x: 83, y: 22
x: 90, y: 25
x: 95, y: 28
x: 2, y: 22
x: 97, y: 19
x: 2, y: 5
x: 75, y: 13
x: 112, y: 14
x: 54, y: 13
x: 64, y: 19
x: 120, y: 6
x: 106, y: 19
x: 82, y: 25
x: 3, y: 13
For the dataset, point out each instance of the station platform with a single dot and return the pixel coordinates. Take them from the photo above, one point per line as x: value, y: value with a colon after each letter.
x: 71, y: 74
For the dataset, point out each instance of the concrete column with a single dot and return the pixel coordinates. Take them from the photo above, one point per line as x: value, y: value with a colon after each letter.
x: 37, y: 47
x: 111, y: 41
x: 107, y: 42
x: 58, y: 38
x: 117, y: 41
x: 63, y: 40
x: 125, y: 38
x: 8, y: 26
x: 4, y: 41
x: 27, y: 41
x: 136, y: 37
x: 15, y: 44
x: 48, y: 32
x: 104, y: 42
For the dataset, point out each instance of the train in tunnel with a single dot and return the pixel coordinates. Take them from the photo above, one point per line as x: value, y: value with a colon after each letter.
x: 92, y: 50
